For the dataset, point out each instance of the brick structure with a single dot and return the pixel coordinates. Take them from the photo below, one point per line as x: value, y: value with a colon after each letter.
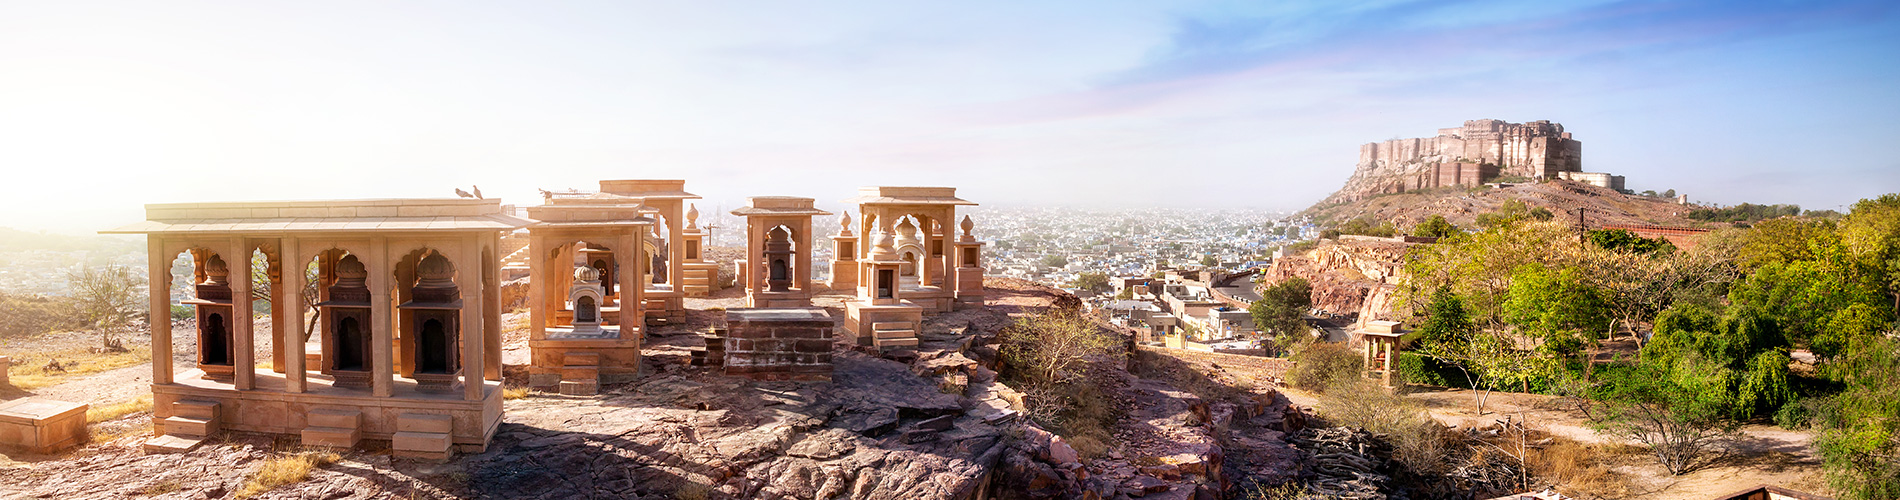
x: 779, y: 344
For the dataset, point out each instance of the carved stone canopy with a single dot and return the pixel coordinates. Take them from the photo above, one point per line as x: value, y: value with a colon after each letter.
x: 351, y: 286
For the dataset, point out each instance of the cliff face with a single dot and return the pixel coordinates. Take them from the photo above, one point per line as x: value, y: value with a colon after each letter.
x: 1463, y: 156
x: 1351, y: 275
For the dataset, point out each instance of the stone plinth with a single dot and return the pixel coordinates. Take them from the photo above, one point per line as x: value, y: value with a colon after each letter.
x: 42, y: 425
x: 883, y: 326
x: 779, y: 344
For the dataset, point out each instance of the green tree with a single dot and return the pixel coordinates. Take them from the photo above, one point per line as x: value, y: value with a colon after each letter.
x: 1511, y: 212
x: 1049, y: 347
x: 1208, y: 260
x: 1092, y: 281
x: 1871, y: 233
x: 1281, y: 311
x: 1802, y: 296
x: 1677, y: 411
x: 1054, y: 260
x: 1435, y: 227
x: 1622, y: 240
x: 108, y: 297
x: 1546, y: 303
x: 1859, y: 428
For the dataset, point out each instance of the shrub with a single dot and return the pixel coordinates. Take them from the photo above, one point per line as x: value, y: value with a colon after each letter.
x: 1792, y: 415
x: 1418, y: 442
x: 1423, y: 370
x: 1321, y: 365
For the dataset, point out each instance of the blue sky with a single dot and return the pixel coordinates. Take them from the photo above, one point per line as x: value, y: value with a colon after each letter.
x: 105, y: 106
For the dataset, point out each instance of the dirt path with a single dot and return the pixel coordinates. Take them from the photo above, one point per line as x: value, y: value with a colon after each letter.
x: 103, y: 388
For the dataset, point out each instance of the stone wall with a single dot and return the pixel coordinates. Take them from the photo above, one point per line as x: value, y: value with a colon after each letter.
x: 1259, y: 370
x: 779, y: 344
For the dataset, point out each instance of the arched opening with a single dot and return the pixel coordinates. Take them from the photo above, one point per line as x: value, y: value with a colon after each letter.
x: 910, y: 263
x: 780, y: 270
x: 585, y: 311
x: 217, y: 341
x: 886, y: 284
x: 432, y: 355
x: 350, y: 342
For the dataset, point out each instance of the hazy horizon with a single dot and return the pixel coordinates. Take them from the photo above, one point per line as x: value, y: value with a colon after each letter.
x: 108, y: 106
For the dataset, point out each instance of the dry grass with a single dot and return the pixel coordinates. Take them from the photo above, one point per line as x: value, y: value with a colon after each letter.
x: 285, y: 469
x: 1417, y: 441
x: 514, y: 392
x: 98, y: 414
x: 160, y: 488
x: 1579, y: 469
x: 28, y: 371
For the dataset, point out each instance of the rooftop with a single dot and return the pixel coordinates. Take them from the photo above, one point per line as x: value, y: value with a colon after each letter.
x: 375, y: 215
x: 908, y: 195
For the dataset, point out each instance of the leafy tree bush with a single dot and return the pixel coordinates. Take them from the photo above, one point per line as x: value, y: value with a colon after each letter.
x: 1361, y: 226
x: 1555, y: 304
x: 1049, y: 347
x: 1322, y: 365
x: 1512, y: 212
x: 1859, y: 436
x: 1435, y: 227
x: 1678, y: 412
x: 1281, y: 310
x: 1054, y: 260
x: 108, y: 298
x: 1623, y: 240
x: 1746, y: 212
x: 1093, y: 281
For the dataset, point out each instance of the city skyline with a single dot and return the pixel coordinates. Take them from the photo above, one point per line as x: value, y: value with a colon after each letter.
x: 105, y: 107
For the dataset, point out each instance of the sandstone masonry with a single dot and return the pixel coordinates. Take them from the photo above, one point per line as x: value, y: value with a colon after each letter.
x: 1463, y: 156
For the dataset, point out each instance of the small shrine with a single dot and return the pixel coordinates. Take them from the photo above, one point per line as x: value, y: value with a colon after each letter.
x: 696, y: 273
x: 587, y: 306
x: 665, y: 277
x: 777, y: 269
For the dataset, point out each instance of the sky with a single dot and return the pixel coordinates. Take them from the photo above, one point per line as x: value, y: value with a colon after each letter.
x: 106, y: 106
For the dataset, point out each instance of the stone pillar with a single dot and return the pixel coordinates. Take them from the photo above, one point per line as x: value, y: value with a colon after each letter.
x: 474, y: 331
x: 279, y: 321
x: 290, y: 310
x: 802, y: 242
x: 675, y: 244
x: 158, y: 278
x: 633, y: 299
x: 244, y: 355
x: 537, y: 287
x: 490, y: 262
x: 381, y: 318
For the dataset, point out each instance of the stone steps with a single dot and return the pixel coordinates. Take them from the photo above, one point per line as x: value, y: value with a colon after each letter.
x: 333, y: 428
x: 424, y: 436
x: 580, y: 374
x: 191, y: 423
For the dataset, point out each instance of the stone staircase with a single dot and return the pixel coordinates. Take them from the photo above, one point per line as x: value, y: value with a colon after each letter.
x: 421, y: 435
x: 192, y: 422
x: 894, y: 335
x: 580, y: 374
x: 333, y: 428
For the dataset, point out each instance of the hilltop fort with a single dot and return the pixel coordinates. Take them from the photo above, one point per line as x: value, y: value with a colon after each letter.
x: 1478, y: 152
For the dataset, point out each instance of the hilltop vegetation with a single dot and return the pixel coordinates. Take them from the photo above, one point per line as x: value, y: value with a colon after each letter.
x: 1463, y: 206
x: 1519, y: 304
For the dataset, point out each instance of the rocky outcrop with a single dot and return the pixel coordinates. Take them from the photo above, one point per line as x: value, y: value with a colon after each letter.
x: 1352, y: 275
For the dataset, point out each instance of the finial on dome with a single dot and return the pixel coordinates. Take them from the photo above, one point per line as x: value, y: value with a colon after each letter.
x: 586, y: 273
x: 844, y: 224
x: 967, y: 226
x: 692, y: 217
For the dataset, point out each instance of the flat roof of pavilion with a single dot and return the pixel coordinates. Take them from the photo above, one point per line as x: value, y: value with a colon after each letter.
x: 778, y: 205
x: 908, y: 195
x: 315, y: 216
x: 648, y: 188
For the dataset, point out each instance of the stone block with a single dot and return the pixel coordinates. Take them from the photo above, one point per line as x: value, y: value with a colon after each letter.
x: 207, y: 410
x: 580, y: 359
x: 579, y: 387
x: 580, y: 373
x: 171, y: 444
x: 190, y: 427
x: 427, y: 445
x: 424, y: 423
x: 348, y: 419
x: 331, y: 437
x: 42, y: 425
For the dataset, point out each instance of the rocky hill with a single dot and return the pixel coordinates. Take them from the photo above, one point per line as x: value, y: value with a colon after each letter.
x: 1462, y: 205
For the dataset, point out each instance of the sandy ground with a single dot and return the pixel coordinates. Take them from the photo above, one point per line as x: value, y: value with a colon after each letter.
x: 1765, y: 454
